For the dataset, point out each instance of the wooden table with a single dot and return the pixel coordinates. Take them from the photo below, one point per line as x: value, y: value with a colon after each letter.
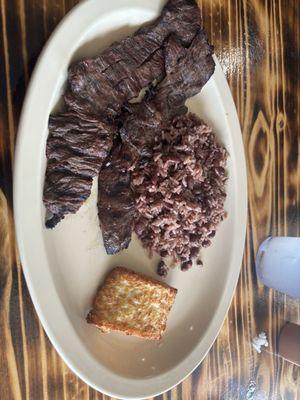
x: 257, y: 43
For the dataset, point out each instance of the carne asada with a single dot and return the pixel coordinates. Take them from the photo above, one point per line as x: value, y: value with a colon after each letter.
x: 76, y: 149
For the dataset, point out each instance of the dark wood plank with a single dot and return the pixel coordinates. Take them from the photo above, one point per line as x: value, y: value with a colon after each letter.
x: 257, y: 43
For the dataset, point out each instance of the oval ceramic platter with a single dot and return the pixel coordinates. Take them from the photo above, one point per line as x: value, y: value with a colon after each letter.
x: 64, y: 266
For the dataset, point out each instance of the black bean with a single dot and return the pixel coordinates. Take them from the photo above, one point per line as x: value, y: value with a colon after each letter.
x: 194, y: 252
x: 162, y: 269
x: 163, y: 253
x: 186, y: 265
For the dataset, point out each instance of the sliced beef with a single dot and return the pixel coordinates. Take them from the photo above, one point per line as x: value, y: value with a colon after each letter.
x: 91, y: 92
x: 139, y: 128
x: 86, y: 136
x: 116, y: 205
x: 188, y: 69
x: 64, y: 194
x: 101, y: 85
x: 76, y: 149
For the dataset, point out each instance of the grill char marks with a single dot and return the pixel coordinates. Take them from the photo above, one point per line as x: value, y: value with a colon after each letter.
x: 76, y: 149
x: 188, y: 69
x: 101, y: 85
x: 139, y: 128
x: 116, y: 205
x: 94, y: 92
x: 64, y: 194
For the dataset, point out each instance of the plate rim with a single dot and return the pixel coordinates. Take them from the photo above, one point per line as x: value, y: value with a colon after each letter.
x: 197, y: 355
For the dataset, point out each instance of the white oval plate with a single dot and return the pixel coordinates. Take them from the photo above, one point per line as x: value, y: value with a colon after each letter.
x: 63, y: 267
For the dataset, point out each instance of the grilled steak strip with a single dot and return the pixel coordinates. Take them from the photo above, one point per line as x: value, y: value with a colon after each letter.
x: 101, y: 85
x: 188, y: 69
x: 116, y: 205
x: 76, y: 149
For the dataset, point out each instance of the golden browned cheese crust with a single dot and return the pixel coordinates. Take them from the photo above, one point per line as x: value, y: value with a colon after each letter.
x: 133, y: 304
